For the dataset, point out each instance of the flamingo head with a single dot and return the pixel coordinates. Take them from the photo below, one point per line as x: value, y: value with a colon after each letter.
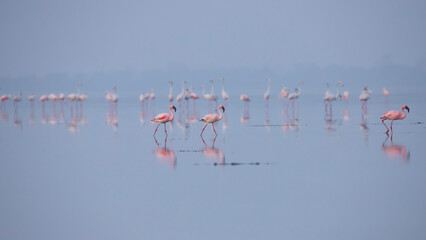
x: 340, y: 83
x: 171, y: 106
x: 223, y: 108
x: 406, y: 107
x: 365, y: 87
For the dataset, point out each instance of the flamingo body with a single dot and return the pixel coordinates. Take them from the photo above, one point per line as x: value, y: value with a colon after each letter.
x: 212, y: 118
x: 163, y: 118
x: 394, y: 115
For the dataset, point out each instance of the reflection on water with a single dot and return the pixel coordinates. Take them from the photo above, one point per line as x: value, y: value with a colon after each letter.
x: 395, y: 151
x: 164, y: 154
x: 112, y: 115
x: 213, y: 153
x: 363, y: 126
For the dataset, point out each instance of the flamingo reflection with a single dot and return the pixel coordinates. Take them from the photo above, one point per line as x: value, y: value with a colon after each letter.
x: 395, y: 151
x: 164, y: 154
x: 212, y: 152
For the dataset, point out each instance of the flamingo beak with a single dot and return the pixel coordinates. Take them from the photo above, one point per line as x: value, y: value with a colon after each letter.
x: 408, y: 109
x: 223, y: 108
x: 174, y: 108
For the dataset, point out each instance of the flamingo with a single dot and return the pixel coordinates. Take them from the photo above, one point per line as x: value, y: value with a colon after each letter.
x: 181, y: 95
x: 283, y: 93
x: 16, y: 100
x: 364, y: 97
x: 192, y: 94
x: 266, y: 95
x: 162, y: 118
x: 244, y: 98
x: 224, y: 94
x: 385, y: 92
x: 152, y: 94
x: 365, y: 94
x: 208, y: 96
x: 3, y: 99
x: 171, y: 91
x: 394, y: 115
x: 212, y: 118
x: 31, y: 97
x: 345, y: 95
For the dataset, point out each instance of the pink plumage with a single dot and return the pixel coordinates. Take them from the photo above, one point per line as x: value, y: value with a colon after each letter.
x: 163, y: 118
x: 212, y: 118
x: 394, y: 115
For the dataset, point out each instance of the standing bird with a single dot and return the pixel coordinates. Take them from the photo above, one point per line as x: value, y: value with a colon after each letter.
x: 171, y: 91
x: 266, y: 95
x: 16, y: 100
x: 364, y: 97
x: 224, y: 94
x: 394, y: 115
x: 212, y: 118
x: 181, y: 95
x: 385, y: 92
x: 163, y: 118
x: 31, y: 97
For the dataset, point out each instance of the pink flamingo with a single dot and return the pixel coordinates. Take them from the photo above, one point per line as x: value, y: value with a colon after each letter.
x: 394, y: 115
x: 163, y: 118
x: 212, y: 118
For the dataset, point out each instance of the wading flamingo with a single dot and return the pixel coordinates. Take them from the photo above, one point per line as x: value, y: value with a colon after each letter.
x: 394, y: 115
x: 171, y: 91
x: 266, y: 95
x: 212, y: 118
x: 224, y: 94
x: 162, y: 118
x: 31, y: 97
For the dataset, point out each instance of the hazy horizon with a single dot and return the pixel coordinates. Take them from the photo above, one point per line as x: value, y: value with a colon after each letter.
x: 79, y: 37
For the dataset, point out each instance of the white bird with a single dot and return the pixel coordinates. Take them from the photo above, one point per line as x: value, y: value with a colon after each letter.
x: 180, y: 96
x: 224, y: 94
x: 171, y: 91
x: 244, y: 98
x: 365, y: 95
x: 266, y: 95
x: 209, y: 97
x: 31, y: 97
x: 385, y: 92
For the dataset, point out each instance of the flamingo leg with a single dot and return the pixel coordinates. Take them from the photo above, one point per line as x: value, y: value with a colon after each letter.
x: 156, y: 129
x: 165, y: 129
x: 391, y: 126
x: 214, y: 129
x: 203, y: 129
x: 383, y: 121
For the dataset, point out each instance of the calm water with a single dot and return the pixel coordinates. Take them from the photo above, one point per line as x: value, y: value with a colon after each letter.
x: 269, y: 174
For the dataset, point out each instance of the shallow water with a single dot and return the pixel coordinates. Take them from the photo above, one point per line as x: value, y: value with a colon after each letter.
x: 270, y: 173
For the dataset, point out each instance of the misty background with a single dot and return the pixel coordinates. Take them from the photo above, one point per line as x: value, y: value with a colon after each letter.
x: 137, y: 45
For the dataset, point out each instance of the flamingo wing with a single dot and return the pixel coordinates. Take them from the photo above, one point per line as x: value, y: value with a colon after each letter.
x: 162, y: 117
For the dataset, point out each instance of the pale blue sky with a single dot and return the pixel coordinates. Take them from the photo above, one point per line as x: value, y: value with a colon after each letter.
x: 79, y: 37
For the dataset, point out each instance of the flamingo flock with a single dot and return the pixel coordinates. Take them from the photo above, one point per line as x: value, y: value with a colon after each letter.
x: 76, y: 100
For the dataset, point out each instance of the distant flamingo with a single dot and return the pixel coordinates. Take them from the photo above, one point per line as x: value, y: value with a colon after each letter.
x: 212, y: 118
x: 246, y: 99
x: 224, y: 94
x: 284, y: 93
x: 364, y: 97
x: 267, y: 93
x: 162, y: 118
x: 3, y: 100
x: 171, y: 91
x: 152, y: 94
x: 31, y: 97
x: 394, y: 115
x: 180, y: 96
x: 385, y: 92
x: 16, y: 100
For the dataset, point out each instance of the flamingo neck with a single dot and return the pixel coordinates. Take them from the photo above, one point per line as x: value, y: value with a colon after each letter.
x: 220, y: 114
x: 172, y: 115
x: 403, y: 114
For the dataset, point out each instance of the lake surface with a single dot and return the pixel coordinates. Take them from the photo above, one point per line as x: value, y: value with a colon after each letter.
x: 271, y: 173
